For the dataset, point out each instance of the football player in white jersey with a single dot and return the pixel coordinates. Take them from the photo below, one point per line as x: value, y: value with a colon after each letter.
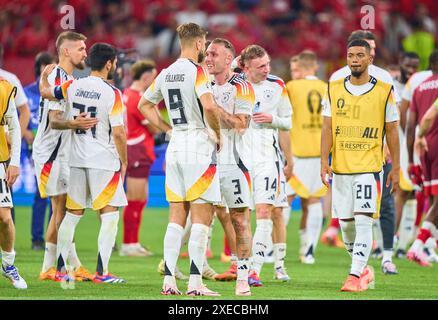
x: 51, y: 149
x: 383, y: 228
x: 192, y: 182
x: 405, y: 202
x: 98, y: 157
x: 235, y: 97
x: 272, y: 111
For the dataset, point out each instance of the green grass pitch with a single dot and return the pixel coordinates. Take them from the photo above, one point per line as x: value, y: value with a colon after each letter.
x: 319, y: 281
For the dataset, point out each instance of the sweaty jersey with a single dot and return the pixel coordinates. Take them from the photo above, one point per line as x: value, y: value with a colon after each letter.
x: 181, y: 85
x: 95, y: 147
x: 374, y: 71
x: 51, y: 144
x: 236, y: 97
x: 413, y: 82
x: 261, y: 139
x: 358, y: 115
x: 306, y: 99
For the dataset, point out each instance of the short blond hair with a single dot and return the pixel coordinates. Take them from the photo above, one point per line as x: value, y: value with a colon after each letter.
x: 140, y: 67
x: 188, y: 32
x: 251, y: 52
x: 68, y: 35
x: 307, y: 60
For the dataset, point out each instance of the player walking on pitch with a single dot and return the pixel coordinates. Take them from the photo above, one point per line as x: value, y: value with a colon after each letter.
x: 359, y: 110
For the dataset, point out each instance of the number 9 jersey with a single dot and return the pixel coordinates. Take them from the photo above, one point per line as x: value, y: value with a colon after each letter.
x: 191, y: 155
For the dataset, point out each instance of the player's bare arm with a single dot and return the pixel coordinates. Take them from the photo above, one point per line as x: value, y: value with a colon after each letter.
x: 326, y: 146
x: 393, y: 143
x: 285, y: 146
x: 426, y: 123
x: 57, y: 121
x: 24, y: 117
x: 150, y: 112
x: 403, y: 107
x: 239, y: 122
x: 212, y: 115
x: 119, y: 136
x: 410, y: 135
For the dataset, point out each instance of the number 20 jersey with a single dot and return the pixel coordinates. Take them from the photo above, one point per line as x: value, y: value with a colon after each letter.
x: 181, y: 85
x: 95, y: 147
x: 51, y: 144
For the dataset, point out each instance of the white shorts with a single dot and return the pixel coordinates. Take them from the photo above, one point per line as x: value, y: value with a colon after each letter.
x: 356, y: 193
x: 192, y: 177
x: 281, y: 200
x: 306, y: 181
x: 5, y: 191
x: 235, y: 186
x: 266, y: 182
x: 95, y: 188
x: 52, y: 178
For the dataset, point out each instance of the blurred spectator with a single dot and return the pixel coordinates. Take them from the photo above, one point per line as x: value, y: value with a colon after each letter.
x: 421, y: 42
x: 146, y: 42
x: 399, y: 29
x: 167, y: 40
x: 192, y: 14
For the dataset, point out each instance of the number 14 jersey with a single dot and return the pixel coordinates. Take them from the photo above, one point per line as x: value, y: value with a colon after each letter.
x: 95, y: 147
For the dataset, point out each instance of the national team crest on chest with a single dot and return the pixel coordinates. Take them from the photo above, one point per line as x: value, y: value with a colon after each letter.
x: 268, y: 94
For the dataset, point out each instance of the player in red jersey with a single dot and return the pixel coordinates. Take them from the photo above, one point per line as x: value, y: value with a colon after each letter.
x: 424, y: 96
x: 140, y: 140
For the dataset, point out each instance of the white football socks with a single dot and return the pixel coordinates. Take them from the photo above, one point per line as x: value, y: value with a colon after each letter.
x: 362, y: 244
x: 348, y: 231
x: 243, y: 266
x: 65, y: 238
x: 279, y: 255
x: 49, y: 256
x: 172, y: 246
x: 8, y: 258
x: 106, y: 240
x: 73, y: 258
x: 197, y: 247
x: 407, y: 224
x: 313, y: 227
x: 262, y: 236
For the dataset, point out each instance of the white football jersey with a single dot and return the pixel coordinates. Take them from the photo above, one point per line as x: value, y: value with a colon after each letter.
x: 20, y: 97
x: 95, y: 147
x: 51, y: 144
x: 181, y: 85
x: 236, y: 97
x: 374, y: 71
x: 261, y: 139
x: 414, y: 81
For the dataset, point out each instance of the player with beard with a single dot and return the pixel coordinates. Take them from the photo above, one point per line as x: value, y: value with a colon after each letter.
x: 192, y: 182
x: 51, y: 150
x: 359, y: 111
x: 98, y: 157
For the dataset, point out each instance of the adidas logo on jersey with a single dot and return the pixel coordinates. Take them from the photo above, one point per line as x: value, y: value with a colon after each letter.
x: 243, y: 267
x: 238, y: 201
x: 366, y: 206
x: 6, y: 200
x: 272, y: 197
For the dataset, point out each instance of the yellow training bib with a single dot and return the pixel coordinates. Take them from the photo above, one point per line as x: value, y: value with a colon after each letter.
x: 7, y: 92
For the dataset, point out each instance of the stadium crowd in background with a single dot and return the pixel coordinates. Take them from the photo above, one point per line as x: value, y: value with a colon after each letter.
x: 283, y: 27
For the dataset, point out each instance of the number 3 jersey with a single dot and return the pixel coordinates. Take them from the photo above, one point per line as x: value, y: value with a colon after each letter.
x: 181, y: 85
x: 95, y: 147
x: 51, y: 144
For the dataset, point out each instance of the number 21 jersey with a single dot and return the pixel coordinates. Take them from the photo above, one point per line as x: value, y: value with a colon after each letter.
x: 95, y: 147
